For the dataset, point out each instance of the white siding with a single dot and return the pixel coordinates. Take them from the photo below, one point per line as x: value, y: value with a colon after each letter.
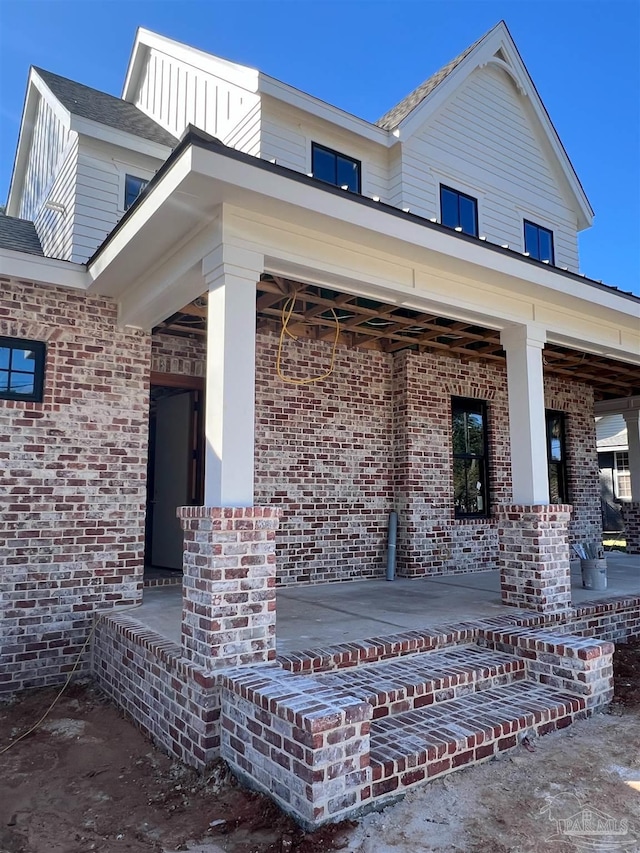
x: 99, y: 203
x: 287, y: 134
x: 55, y: 227
x: 611, y: 431
x: 49, y: 142
x: 176, y: 94
x: 245, y: 136
x: 482, y: 141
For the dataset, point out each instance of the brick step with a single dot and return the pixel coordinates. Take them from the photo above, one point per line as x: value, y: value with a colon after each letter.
x: 419, y: 680
x: 428, y: 742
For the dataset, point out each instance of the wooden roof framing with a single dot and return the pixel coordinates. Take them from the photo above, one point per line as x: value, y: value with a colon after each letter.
x: 369, y: 324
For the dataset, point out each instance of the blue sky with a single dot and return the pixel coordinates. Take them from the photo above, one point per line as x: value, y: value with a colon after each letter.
x: 583, y: 55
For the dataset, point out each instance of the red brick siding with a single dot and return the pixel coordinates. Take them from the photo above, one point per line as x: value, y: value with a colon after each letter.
x: 181, y: 356
x: 339, y: 454
x: 324, y: 454
x: 431, y: 540
x: 72, y: 492
x: 576, y: 401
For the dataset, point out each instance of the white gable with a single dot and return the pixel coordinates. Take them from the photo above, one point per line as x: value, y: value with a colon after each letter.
x: 484, y: 142
x: 497, y: 53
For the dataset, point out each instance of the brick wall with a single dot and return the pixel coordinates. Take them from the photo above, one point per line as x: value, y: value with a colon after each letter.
x: 576, y: 401
x: 177, y: 355
x: 72, y: 480
x: 175, y: 702
x: 431, y: 540
x: 324, y: 454
x: 337, y: 456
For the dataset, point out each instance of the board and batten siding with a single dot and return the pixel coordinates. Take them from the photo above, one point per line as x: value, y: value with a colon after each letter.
x: 287, y: 134
x: 49, y: 142
x: 482, y: 141
x: 175, y: 94
x: 55, y: 227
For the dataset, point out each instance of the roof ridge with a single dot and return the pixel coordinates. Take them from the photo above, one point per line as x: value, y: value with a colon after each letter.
x: 393, y: 117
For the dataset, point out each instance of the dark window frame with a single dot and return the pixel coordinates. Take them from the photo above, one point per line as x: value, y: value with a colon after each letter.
x: 560, y: 466
x: 458, y: 224
x: 316, y: 146
x: 474, y: 406
x: 143, y: 185
x: 536, y: 255
x: 39, y: 350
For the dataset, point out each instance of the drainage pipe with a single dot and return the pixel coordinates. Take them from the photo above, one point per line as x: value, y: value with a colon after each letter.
x: 391, y: 552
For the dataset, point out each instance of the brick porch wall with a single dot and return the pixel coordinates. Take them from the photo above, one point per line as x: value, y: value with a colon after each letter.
x: 336, y: 457
x: 324, y: 455
x: 72, y: 492
x: 631, y: 518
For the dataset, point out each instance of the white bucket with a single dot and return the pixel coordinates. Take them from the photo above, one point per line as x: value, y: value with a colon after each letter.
x: 594, y: 574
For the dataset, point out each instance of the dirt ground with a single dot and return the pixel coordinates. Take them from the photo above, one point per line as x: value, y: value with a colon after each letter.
x: 87, y: 780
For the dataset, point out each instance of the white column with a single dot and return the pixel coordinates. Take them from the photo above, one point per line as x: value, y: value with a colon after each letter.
x: 527, y: 425
x: 230, y: 275
x: 632, y: 420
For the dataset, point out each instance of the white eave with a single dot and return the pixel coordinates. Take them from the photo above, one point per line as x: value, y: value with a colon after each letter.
x: 48, y: 271
x: 190, y: 191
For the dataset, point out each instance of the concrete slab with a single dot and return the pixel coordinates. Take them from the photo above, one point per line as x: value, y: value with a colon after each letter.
x: 324, y: 614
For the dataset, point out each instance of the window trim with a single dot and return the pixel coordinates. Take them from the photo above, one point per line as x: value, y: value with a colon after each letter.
x: 318, y: 146
x: 619, y: 471
x: 563, y: 467
x: 39, y: 348
x: 462, y: 194
x: 525, y: 222
x: 458, y: 402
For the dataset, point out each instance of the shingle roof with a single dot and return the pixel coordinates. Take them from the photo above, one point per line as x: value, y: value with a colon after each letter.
x: 19, y: 235
x: 397, y: 114
x: 106, y: 109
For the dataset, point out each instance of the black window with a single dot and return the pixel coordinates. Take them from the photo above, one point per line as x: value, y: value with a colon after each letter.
x: 21, y: 369
x: 557, y: 458
x: 133, y: 186
x: 538, y: 242
x: 470, y: 456
x: 459, y: 211
x: 335, y: 168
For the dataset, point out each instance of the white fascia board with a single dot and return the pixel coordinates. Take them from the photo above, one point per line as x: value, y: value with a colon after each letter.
x: 616, y: 407
x: 36, y: 89
x: 500, y: 39
x: 139, y: 217
x: 96, y: 130
x: 320, y: 109
x: 389, y: 226
x: 43, y: 270
x: 238, y: 75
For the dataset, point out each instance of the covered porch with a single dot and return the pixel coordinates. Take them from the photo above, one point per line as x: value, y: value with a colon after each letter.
x: 323, y: 615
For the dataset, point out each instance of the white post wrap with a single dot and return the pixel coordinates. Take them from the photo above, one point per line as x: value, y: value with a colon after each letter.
x: 632, y: 420
x: 527, y: 424
x: 230, y: 275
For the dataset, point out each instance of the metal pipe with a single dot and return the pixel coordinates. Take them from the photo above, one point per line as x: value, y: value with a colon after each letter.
x: 391, y: 552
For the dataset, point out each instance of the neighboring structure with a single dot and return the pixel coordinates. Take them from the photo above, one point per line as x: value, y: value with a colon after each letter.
x: 615, y: 475
x: 217, y: 235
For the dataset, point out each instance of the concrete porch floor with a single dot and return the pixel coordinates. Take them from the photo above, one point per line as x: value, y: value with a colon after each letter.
x: 326, y: 614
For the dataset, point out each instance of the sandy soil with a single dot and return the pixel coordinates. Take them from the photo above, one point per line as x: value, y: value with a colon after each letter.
x: 89, y: 781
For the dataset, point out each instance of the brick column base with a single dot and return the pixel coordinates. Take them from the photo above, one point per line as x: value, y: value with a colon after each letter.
x: 534, y: 557
x: 631, y: 517
x: 228, y: 587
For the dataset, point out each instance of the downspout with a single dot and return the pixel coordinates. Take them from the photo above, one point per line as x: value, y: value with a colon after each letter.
x: 391, y: 552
